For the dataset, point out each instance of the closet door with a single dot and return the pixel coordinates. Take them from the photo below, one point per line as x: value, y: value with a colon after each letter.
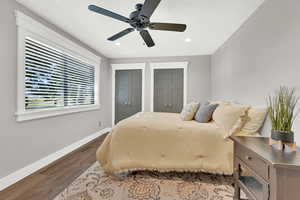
x: 168, y: 90
x: 128, y: 93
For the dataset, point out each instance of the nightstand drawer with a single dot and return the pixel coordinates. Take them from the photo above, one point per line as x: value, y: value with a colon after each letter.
x: 253, y: 161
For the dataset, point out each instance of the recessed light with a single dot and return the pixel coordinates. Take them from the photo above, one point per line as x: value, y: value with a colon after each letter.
x: 188, y: 40
x: 118, y: 44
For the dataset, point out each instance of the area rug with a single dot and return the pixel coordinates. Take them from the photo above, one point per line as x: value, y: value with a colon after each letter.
x: 95, y: 184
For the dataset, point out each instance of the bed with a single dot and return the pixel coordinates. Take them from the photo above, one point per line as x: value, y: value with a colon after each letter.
x: 163, y: 142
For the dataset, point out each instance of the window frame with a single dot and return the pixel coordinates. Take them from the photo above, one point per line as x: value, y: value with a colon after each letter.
x: 30, y: 28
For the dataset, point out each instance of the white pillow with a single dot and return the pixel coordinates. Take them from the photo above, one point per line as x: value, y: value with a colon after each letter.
x: 219, y: 102
x: 188, y: 112
x: 254, y: 120
x: 230, y: 117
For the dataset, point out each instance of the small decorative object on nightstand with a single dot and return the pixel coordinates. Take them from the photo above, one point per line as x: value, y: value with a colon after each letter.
x: 282, y: 144
x: 282, y: 114
x: 265, y: 173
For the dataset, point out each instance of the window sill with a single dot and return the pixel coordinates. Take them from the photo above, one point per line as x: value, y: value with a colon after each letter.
x: 31, y: 115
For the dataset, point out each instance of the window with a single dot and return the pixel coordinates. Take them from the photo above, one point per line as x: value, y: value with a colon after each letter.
x: 52, y: 79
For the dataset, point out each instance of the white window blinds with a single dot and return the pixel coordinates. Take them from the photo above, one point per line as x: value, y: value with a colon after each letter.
x: 54, y: 79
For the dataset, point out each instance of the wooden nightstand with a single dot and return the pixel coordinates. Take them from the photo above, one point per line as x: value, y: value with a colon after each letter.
x: 263, y: 172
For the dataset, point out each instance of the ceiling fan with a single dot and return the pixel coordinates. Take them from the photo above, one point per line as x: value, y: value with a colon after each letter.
x: 140, y: 21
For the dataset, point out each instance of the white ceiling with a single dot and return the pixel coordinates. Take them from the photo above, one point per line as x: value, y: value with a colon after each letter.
x: 210, y: 24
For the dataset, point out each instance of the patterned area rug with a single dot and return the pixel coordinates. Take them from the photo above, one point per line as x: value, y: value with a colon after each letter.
x: 95, y: 184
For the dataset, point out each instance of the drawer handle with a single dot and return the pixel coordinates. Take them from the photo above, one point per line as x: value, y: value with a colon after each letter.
x: 248, y: 157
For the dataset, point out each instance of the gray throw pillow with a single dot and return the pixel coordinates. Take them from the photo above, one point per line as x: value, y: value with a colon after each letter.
x: 205, y: 112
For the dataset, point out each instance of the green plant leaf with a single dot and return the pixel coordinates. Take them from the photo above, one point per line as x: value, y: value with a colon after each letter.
x: 281, y: 109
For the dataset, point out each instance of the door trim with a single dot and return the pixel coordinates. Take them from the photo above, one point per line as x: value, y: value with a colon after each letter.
x: 127, y: 66
x: 169, y: 65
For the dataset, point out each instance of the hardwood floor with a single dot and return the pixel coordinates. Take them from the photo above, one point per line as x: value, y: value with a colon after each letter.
x: 51, y: 180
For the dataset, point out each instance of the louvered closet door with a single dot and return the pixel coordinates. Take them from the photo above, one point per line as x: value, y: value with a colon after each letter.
x: 128, y: 93
x: 168, y: 90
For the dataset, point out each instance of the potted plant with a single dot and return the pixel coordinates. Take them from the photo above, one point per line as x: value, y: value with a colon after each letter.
x: 281, y: 108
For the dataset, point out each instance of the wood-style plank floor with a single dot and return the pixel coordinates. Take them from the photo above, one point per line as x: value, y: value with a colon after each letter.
x: 51, y: 180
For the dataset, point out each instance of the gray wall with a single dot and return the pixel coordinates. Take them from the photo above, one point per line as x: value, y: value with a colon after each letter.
x: 24, y: 143
x: 198, y: 76
x: 261, y: 56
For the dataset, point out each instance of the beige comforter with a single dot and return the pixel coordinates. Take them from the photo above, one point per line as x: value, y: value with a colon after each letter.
x: 163, y: 142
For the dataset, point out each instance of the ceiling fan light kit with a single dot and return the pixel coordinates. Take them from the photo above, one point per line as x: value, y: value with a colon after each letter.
x: 139, y: 20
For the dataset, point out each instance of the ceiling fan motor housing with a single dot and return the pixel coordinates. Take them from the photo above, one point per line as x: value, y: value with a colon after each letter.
x: 136, y: 21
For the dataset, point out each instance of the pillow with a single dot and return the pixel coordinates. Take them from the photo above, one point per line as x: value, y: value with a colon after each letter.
x: 254, y: 120
x: 188, y: 112
x: 245, y: 134
x: 219, y: 102
x: 230, y: 117
x: 205, y: 112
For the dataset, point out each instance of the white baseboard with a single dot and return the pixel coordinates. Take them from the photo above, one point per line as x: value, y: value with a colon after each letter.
x: 30, y: 169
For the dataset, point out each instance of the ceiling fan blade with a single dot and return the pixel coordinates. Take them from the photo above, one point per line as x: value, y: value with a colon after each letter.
x: 147, y: 38
x: 168, y: 27
x: 108, y: 13
x: 121, y: 34
x: 148, y: 8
